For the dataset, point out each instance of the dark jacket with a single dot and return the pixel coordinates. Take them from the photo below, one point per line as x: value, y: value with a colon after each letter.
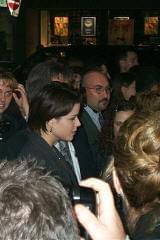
x: 148, y: 226
x: 10, y: 124
x: 31, y: 145
x: 86, y: 146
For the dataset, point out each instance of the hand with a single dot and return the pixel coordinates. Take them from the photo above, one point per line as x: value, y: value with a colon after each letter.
x: 22, y: 100
x: 107, y: 225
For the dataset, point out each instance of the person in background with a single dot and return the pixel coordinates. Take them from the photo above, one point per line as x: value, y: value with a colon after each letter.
x: 45, y: 72
x: 53, y: 116
x: 13, y: 106
x: 123, y: 89
x: 96, y: 95
x: 147, y: 78
x: 125, y: 58
x: 111, y: 128
x: 34, y: 205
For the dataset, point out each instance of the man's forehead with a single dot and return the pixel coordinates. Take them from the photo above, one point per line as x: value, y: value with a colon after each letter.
x: 96, y: 78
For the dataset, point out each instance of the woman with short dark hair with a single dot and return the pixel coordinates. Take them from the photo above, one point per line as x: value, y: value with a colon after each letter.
x: 53, y: 116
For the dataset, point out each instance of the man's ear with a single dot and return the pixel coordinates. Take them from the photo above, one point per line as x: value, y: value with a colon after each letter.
x: 116, y: 182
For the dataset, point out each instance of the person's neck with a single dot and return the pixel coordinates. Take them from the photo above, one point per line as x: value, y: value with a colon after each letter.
x: 49, y: 138
x: 94, y: 110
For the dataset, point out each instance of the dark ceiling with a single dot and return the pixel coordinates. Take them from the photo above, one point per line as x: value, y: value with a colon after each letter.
x: 92, y: 4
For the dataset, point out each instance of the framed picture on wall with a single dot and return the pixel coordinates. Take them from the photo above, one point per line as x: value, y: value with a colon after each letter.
x: 88, y: 26
x: 151, y: 25
x: 121, y: 32
x: 61, y: 26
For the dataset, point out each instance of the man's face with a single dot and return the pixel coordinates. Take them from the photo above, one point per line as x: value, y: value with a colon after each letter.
x: 97, y: 91
x: 129, y: 91
x: 131, y: 60
x: 5, y: 96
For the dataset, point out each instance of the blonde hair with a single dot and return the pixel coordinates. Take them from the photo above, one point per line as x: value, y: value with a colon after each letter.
x: 8, y: 79
x: 137, y: 162
x: 148, y: 101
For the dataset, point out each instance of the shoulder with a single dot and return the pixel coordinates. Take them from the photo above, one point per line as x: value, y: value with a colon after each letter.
x: 148, y: 226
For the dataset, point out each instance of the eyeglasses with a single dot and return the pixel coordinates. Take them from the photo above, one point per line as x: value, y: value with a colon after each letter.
x: 100, y: 89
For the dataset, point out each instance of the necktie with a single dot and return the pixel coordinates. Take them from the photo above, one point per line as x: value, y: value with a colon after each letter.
x: 101, y: 120
x: 64, y: 149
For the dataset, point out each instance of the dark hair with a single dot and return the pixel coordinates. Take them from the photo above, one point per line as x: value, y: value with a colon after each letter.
x: 43, y: 73
x: 147, y: 77
x: 122, y: 52
x: 33, y: 205
x: 124, y: 79
x: 106, y: 136
x: 54, y: 100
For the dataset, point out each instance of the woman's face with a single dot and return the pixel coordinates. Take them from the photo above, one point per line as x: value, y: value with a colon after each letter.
x: 65, y: 127
x: 129, y: 91
x: 119, y: 119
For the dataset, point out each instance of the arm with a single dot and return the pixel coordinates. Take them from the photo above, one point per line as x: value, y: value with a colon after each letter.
x: 107, y: 225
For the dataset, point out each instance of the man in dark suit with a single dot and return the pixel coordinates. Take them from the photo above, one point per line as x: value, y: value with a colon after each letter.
x: 96, y: 90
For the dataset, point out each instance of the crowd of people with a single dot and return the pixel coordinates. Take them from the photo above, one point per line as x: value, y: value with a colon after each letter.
x: 74, y: 124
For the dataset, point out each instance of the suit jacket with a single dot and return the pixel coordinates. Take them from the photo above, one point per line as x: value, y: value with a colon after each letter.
x: 35, y: 147
x: 86, y: 146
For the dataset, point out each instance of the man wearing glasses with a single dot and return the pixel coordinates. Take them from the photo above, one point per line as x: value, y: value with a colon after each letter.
x: 96, y: 90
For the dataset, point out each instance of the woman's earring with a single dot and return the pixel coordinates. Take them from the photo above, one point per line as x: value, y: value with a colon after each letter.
x: 51, y: 130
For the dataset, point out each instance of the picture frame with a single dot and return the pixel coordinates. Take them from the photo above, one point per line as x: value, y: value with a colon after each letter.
x: 151, y: 25
x: 61, y: 26
x: 88, y: 26
x: 121, y: 32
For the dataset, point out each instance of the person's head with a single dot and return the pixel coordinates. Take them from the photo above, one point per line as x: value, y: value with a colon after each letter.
x: 126, y: 58
x: 137, y: 163
x: 97, y: 89
x: 124, y: 86
x: 33, y: 204
x: 54, y: 111
x: 148, y: 101
x: 123, y: 111
x: 45, y: 72
x: 7, y: 85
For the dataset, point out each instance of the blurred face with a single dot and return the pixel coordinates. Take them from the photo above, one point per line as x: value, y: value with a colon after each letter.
x: 131, y: 60
x: 129, y: 91
x: 5, y: 96
x: 65, y: 127
x: 97, y: 91
x: 119, y: 119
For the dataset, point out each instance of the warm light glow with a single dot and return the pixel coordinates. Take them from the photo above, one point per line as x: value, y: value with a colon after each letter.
x: 150, y: 25
x: 121, y: 18
x: 61, y: 26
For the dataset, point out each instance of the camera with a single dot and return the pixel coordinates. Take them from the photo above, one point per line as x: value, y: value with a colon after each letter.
x: 87, y: 197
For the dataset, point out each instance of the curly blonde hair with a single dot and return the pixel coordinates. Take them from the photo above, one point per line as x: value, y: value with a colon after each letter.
x: 137, y: 159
